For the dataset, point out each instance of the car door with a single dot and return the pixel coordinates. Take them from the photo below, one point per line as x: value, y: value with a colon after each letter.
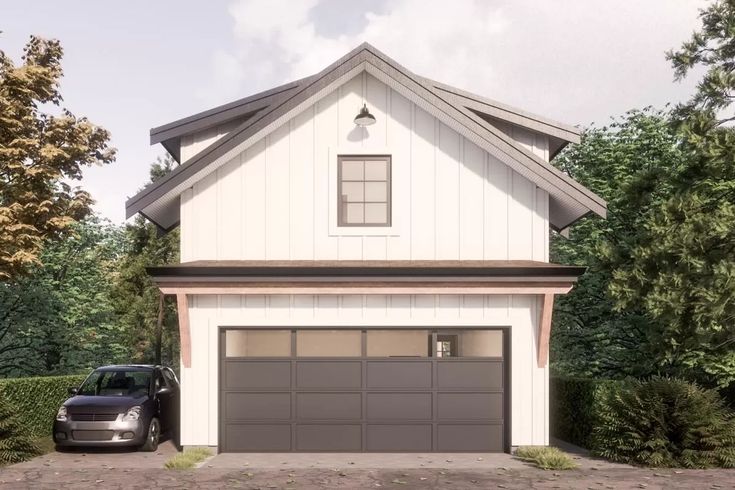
x: 163, y: 400
x: 173, y: 400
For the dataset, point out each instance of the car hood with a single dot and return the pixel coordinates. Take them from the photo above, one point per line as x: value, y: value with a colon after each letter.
x: 102, y: 404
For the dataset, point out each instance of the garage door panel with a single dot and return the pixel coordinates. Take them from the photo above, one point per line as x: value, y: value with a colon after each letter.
x: 456, y: 374
x: 257, y: 437
x: 328, y: 374
x: 328, y: 437
x: 399, y: 437
x: 254, y: 406
x: 470, y: 406
x: 257, y: 375
x: 350, y: 404
x: 399, y: 406
x: 324, y: 406
x: 398, y: 374
x: 467, y: 437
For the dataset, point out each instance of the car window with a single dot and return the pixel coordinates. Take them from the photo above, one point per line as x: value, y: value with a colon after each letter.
x: 170, y: 377
x: 116, y: 383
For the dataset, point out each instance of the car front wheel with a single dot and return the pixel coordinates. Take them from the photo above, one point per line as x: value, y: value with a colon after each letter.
x: 154, y: 434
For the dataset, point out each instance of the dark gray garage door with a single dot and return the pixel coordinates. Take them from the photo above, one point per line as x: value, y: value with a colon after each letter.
x: 369, y: 390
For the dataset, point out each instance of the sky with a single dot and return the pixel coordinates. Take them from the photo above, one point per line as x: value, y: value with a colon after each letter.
x: 136, y: 64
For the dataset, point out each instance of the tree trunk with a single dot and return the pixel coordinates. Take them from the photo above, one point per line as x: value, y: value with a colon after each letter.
x: 159, y: 327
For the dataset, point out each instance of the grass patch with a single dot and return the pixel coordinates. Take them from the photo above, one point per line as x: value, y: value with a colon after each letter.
x: 188, y: 459
x: 45, y: 445
x: 547, y: 458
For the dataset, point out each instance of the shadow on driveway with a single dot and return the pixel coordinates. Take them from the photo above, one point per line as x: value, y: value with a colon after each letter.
x: 77, y: 458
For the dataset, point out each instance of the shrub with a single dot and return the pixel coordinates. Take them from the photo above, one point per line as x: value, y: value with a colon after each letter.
x: 16, y: 444
x: 664, y: 422
x: 547, y: 458
x: 571, y: 403
x: 188, y: 459
x: 37, y: 399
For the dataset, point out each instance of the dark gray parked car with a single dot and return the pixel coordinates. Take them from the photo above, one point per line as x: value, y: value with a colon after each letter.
x: 128, y: 405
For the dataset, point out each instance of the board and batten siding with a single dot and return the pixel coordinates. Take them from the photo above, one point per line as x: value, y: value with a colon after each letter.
x: 200, y: 384
x: 451, y: 199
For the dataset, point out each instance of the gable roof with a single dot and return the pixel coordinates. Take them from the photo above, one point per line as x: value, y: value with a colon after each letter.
x: 470, y: 115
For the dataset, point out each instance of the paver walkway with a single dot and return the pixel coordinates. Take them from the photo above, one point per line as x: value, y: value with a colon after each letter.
x: 348, y: 478
x: 77, y: 458
x: 136, y: 470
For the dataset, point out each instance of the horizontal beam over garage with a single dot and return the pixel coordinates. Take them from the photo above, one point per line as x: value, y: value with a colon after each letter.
x: 383, y: 288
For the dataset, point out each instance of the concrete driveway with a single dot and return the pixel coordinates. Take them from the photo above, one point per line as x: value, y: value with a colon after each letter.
x: 101, y: 458
x: 472, y: 461
x: 136, y: 470
x: 362, y: 478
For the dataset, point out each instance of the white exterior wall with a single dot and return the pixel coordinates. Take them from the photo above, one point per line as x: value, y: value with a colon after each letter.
x: 200, y: 384
x: 451, y: 200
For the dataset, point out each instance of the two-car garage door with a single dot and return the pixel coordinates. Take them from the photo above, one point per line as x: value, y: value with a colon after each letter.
x: 362, y: 390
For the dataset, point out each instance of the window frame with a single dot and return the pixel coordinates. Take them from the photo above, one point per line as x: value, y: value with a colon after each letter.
x: 388, y: 159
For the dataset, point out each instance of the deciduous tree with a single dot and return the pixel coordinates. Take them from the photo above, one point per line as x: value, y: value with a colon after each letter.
x: 40, y: 154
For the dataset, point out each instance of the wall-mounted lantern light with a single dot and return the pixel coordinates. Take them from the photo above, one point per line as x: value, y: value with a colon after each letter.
x: 364, y: 118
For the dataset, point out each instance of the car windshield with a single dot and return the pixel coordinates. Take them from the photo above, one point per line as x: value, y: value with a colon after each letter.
x: 116, y: 383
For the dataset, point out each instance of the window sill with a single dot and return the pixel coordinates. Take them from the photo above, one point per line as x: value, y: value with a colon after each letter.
x: 336, y: 230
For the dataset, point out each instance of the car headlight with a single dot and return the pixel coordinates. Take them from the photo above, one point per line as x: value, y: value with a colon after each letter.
x: 61, y: 414
x: 132, y: 414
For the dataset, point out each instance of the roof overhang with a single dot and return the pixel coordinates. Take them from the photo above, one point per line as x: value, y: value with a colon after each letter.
x: 472, y: 116
x: 365, y: 277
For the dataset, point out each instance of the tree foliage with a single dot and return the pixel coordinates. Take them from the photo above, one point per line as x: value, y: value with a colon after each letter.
x: 15, y: 443
x: 39, y: 154
x: 679, y: 266
x: 663, y: 422
x: 60, y: 318
x: 149, y: 319
x: 629, y: 163
x: 663, y: 266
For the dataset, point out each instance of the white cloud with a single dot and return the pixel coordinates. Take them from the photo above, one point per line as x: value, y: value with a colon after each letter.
x: 576, y: 60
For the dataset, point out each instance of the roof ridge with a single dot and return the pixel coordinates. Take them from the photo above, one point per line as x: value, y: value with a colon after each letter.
x: 442, y: 103
x: 504, y: 138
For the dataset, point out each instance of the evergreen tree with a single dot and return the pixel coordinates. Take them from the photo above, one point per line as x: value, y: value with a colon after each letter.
x: 679, y: 266
x: 149, y: 318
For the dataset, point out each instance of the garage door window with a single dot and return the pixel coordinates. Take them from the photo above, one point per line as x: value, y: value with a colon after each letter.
x: 398, y: 343
x: 328, y: 343
x: 480, y: 343
x: 258, y: 343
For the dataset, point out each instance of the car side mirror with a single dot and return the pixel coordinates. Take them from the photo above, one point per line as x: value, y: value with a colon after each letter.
x: 163, y: 391
x: 72, y: 391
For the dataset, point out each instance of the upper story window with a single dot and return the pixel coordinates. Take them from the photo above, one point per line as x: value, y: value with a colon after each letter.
x: 364, y: 190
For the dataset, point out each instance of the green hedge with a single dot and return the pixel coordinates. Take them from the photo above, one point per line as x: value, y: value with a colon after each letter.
x: 571, y: 408
x: 37, y: 399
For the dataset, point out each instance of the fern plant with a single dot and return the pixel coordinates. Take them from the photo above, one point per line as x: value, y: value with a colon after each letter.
x: 16, y: 444
x: 665, y: 423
